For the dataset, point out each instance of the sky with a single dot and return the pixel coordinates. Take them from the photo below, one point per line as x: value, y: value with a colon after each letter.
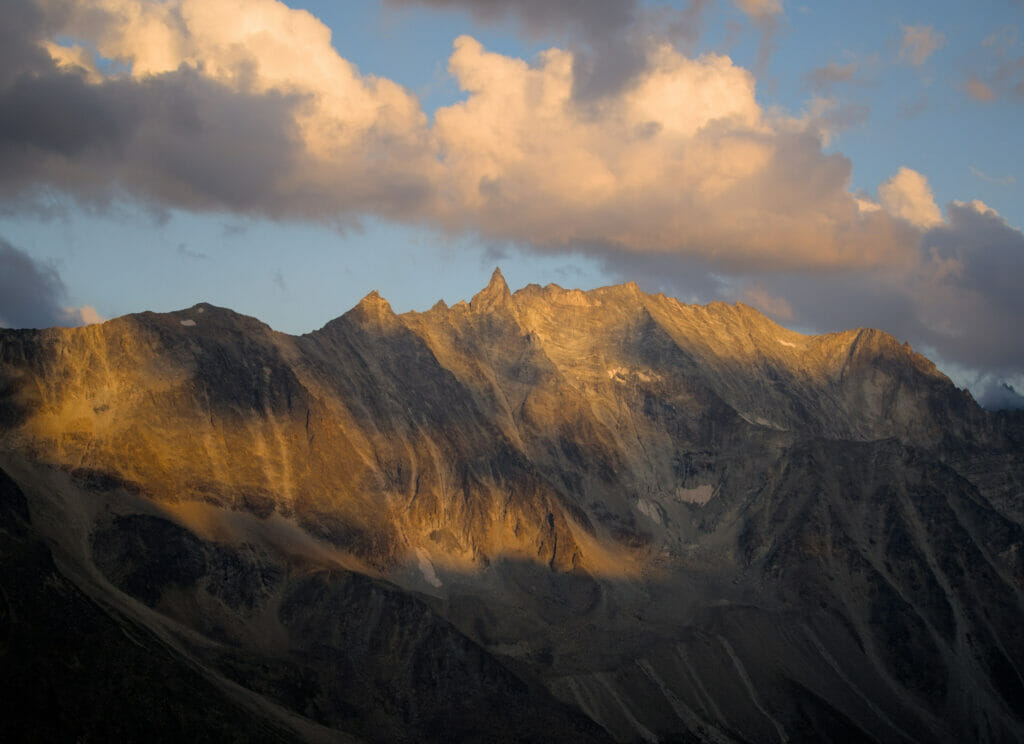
x: 834, y: 165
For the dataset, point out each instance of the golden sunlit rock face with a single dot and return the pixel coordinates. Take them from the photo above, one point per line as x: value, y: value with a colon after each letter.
x: 669, y: 520
x: 380, y: 430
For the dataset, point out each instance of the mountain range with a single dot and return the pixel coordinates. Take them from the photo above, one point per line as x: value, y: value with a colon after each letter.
x: 552, y: 515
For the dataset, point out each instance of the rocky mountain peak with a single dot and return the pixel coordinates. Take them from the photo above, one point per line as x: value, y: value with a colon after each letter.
x: 374, y: 308
x: 582, y: 484
x: 373, y: 299
x: 495, y: 294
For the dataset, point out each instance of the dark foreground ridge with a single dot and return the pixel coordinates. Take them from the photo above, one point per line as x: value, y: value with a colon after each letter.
x: 541, y: 515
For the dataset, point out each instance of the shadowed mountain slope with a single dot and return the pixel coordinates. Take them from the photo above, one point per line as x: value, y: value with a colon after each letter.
x: 604, y: 514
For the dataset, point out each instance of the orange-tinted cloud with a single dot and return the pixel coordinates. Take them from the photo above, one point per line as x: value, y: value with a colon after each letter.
x: 919, y: 43
x: 683, y: 162
x: 908, y: 196
x: 980, y: 91
x: 84, y: 315
x: 759, y: 9
x: 676, y: 167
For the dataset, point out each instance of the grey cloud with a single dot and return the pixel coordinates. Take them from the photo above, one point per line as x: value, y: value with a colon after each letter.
x: 610, y: 35
x: 180, y: 140
x: 962, y: 305
x: 975, y: 307
x: 174, y: 140
x: 23, y: 22
x: 823, y: 78
x: 177, y: 139
x: 999, y: 396
x: 60, y: 115
x: 593, y: 18
x: 30, y: 292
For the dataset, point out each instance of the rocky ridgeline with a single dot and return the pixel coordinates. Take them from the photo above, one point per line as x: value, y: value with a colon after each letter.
x: 646, y: 519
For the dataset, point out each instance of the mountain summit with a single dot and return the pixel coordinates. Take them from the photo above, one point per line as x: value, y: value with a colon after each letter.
x: 548, y: 514
x: 494, y: 294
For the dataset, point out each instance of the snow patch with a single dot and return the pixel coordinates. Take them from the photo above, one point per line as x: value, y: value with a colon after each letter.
x: 188, y: 323
x: 200, y: 309
x: 649, y: 510
x: 760, y: 421
x: 699, y: 495
x: 427, y: 568
x: 620, y: 374
x: 790, y: 344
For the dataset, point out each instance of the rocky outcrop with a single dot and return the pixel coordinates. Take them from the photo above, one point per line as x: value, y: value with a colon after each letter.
x: 680, y: 521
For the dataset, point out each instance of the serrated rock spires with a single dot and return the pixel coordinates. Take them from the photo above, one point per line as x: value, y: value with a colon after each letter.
x: 496, y: 294
x: 616, y: 494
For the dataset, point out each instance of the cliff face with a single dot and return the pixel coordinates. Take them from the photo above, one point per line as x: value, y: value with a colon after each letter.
x: 645, y: 519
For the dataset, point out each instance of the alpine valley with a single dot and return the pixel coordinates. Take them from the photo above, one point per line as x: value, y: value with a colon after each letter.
x: 552, y: 515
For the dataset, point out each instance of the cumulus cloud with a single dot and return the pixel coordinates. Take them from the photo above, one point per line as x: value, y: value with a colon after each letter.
x: 84, y: 315
x: 907, y: 195
x: 919, y: 43
x: 684, y: 162
x: 261, y: 116
x: 608, y: 37
x: 594, y: 18
x: 30, y: 292
x: 959, y: 302
x: 674, y: 171
x: 265, y: 116
x: 829, y: 116
x: 602, y: 27
x: 969, y: 297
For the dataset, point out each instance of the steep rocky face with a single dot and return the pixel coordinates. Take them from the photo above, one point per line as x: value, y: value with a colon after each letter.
x: 618, y: 515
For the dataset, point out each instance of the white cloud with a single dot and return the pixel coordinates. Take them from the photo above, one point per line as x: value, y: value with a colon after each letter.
x: 264, y: 115
x: 907, y: 195
x: 355, y: 135
x: 675, y: 168
x: 683, y: 162
x: 84, y: 315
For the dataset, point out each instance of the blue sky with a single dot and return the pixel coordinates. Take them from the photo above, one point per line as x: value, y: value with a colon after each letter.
x: 835, y: 166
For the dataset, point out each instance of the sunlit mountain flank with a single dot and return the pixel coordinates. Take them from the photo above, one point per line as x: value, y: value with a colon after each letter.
x: 547, y: 515
x: 740, y: 460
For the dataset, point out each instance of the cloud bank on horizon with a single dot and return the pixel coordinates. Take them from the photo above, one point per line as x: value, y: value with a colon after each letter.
x: 618, y: 145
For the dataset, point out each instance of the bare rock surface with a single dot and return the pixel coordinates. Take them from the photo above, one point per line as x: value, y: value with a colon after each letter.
x: 548, y: 514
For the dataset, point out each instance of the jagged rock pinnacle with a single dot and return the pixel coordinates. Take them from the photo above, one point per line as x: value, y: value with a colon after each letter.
x: 495, y: 294
x: 602, y: 475
x: 374, y: 307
